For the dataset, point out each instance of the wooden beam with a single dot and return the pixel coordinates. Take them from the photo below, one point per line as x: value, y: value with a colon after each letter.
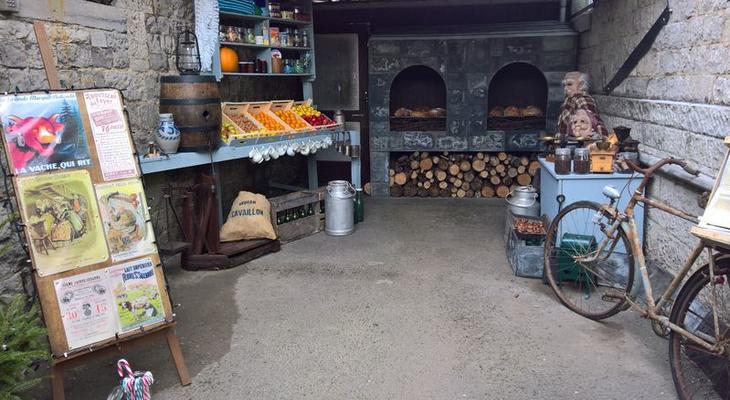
x: 47, y: 55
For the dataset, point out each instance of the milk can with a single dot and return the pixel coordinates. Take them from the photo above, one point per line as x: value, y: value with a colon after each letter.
x: 339, y: 209
x: 523, y: 201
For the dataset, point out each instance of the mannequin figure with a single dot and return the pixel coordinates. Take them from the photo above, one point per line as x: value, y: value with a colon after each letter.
x: 575, y: 86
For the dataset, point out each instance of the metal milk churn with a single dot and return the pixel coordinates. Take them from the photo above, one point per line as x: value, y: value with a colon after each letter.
x: 523, y: 201
x: 339, y: 209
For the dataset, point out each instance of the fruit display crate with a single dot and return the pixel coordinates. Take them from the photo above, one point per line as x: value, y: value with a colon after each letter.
x: 233, y: 110
x: 264, y: 107
x: 328, y: 127
x: 305, y: 223
x: 286, y: 105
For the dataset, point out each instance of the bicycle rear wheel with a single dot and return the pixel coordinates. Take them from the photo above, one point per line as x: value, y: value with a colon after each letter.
x: 697, y: 372
x: 595, y: 289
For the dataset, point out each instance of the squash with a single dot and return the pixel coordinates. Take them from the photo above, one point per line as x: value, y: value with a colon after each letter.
x: 229, y: 60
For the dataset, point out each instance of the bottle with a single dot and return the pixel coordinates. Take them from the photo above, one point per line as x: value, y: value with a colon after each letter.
x: 305, y: 39
x: 310, y: 210
x: 359, y: 206
x: 297, y: 38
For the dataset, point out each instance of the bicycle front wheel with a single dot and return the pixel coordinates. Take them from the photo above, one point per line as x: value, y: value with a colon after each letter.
x: 699, y: 373
x: 590, y: 273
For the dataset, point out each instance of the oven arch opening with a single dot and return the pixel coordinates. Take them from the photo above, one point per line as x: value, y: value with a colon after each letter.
x: 418, y: 100
x: 517, y: 98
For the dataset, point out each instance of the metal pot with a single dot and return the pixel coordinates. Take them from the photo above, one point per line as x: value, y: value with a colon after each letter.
x: 523, y: 201
x: 339, y: 209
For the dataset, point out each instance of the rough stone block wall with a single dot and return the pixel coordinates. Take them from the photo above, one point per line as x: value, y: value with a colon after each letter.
x: 676, y: 99
x: 126, y: 45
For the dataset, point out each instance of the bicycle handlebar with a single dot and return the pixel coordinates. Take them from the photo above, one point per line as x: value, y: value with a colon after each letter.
x: 664, y: 161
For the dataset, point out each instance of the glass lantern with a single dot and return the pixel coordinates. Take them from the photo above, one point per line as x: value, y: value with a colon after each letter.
x: 187, y: 55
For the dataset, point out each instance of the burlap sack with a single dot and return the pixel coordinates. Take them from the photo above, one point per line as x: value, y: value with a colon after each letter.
x: 249, y: 218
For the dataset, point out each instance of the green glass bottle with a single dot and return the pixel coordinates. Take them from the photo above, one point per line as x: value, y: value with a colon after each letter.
x: 310, y: 210
x: 359, y: 207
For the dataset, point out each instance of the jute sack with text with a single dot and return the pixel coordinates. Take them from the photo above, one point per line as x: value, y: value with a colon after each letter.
x: 249, y: 218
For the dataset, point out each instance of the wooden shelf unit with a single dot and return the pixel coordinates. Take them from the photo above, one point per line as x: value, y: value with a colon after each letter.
x: 260, y: 24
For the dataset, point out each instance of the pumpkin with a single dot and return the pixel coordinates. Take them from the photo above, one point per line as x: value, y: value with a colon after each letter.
x: 229, y: 60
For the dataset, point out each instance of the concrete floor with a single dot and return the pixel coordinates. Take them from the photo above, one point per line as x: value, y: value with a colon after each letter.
x: 419, y: 303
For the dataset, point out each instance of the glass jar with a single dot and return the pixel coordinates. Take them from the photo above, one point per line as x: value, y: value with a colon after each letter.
x: 562, y: 161
x: 222, y: 33
x: 232, y: 34
x: 582, y: 161
x: 250, y: 36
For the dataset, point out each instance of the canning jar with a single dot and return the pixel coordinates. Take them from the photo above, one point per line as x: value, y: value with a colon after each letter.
x: 581, y: 161
x: 562, y: 161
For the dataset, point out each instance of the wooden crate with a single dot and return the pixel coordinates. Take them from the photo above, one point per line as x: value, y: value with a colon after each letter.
x: 330, y: 127
x: 287, y: 105
x: 265, y: 107
x: 302, y: 227
x: 235, y: 109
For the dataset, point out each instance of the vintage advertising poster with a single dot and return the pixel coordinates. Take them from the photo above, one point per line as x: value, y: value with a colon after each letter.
x: 86, y: 307
x: 111, y: 138
x: 43, y: 132
x: 136, y: 294
x: 61, y: 217
x: 125, y: 217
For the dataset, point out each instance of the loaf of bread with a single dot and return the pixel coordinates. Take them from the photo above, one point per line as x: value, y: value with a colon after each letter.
x: 497, y: 111
x: 531, y: 111
x: 402, y: 113
x: 437, y: 112
x: 419, y: 114
x: 512, y: 111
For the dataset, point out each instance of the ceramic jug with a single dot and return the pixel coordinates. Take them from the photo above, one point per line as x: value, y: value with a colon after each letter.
x: 168, y: 136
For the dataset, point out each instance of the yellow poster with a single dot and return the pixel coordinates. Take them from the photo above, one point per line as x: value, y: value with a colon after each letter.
x: 125, y: 217
x: 62, y: 219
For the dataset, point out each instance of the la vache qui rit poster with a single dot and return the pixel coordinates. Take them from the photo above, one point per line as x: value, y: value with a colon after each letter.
x: 43, y: 132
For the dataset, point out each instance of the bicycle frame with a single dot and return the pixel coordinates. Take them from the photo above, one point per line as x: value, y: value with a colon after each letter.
x: 626, y: 221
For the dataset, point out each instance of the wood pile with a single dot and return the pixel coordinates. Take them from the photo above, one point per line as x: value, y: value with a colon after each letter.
x: 421, y: 174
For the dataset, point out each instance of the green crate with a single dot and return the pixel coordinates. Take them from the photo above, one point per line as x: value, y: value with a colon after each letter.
x: 570, y: 245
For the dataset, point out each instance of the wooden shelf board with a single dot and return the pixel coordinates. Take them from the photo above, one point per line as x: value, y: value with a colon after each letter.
x: 261, y: 74
x: 264, y: 46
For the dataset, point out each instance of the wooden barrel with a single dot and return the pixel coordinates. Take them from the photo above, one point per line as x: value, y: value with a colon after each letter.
x: 195, y: 105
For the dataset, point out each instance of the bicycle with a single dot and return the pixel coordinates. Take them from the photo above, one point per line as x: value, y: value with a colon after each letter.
x: 590, y: 254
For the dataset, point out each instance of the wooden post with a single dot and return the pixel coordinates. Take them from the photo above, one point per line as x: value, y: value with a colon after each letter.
x: 47, y: 55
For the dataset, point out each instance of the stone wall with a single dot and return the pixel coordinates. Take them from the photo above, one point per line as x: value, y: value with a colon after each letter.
x: 126, y: 45
x: 676, y: 99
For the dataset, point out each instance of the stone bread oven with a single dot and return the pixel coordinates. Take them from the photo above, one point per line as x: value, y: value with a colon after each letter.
x: 520, y: 64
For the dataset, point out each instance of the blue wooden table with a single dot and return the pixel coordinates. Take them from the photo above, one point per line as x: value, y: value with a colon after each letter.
x: 577, y: 187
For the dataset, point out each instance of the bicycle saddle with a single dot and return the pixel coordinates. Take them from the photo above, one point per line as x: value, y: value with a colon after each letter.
x: 611, y: 192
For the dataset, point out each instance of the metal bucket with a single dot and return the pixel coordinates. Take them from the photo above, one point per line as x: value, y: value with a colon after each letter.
x: 339, y: 209
x: 523, y: 201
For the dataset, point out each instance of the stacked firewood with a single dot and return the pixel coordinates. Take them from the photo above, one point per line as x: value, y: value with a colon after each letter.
x: 460, y: 175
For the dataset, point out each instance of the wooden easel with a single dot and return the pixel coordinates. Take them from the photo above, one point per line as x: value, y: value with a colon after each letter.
x: 64, y: 360
x: 59, y: 365
x: 709, y: 236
